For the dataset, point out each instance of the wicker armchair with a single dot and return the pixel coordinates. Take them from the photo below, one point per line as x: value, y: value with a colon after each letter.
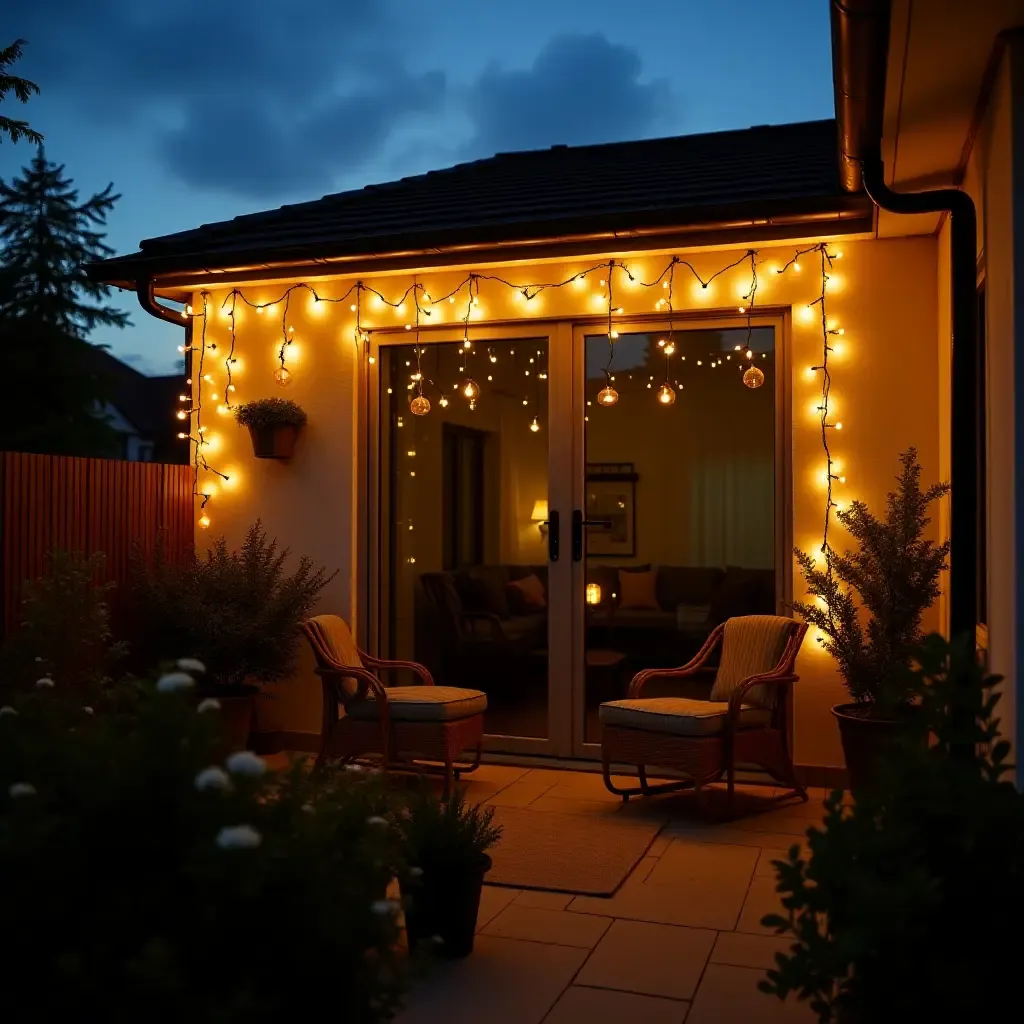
x: 743, y: 722
x: 401, y: 724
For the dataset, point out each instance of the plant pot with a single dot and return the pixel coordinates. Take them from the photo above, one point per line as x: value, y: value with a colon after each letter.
x: 868, y: 741
x: 445, y: 903
x: 273, y: 442
x: 237, y: 705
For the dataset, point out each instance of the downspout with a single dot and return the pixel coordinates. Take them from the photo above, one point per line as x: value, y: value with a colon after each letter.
x: 860, y: 43
x: 147, y: 300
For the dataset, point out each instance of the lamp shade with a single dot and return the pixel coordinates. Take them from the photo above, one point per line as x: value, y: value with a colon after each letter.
x: 540, y: 510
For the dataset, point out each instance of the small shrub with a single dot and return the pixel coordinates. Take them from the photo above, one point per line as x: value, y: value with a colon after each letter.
x: 145, y: 881
x: 902, y: 909
x: 64, y: 631
x: 447, y: 832
x: 236, y: 611
x: 271, y: 412
x: 895, y: 577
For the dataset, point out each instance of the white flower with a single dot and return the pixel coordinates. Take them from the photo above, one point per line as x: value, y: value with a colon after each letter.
x: 415, y: 872
x: 385, y: 908
x: 7, y: 710
x: 19, y: 789
x: 354, y: 768
x: 88, y: 710
x: 238, y: 837
x: 209, y: 704
x: 190, y: 665
x: 377, y: 821
x: 245, y: 762
x: 172, y: 682
x: 212, y: 778
x: 46, y: 683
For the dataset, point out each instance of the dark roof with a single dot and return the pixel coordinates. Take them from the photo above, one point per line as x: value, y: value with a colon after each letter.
x: 551, y: 193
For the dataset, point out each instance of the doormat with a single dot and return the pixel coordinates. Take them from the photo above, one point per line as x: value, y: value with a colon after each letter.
x: 588, y: 855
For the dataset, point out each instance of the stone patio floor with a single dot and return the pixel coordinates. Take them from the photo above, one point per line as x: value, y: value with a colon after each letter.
x: 681, y: 940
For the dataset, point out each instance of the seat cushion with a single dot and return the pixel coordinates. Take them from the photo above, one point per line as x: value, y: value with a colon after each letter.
x: 751, y: 645
x: 678, y: 715
x: 423, y: 704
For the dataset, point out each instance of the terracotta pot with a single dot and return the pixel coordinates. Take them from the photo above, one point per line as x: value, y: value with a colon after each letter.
x: 868, y: 741
x: 273, y: 442
x: 237, y: 707
x: 445, y: 903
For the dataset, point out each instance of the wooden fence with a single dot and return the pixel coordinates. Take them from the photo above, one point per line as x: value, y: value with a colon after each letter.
x: 52, y: 502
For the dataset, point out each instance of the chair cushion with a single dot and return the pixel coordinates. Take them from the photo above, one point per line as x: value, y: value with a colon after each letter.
x: 636, y: 589
x: 751, y: 645
x: 423, y: 704
x: 678, y: 715
x: 335, y: 635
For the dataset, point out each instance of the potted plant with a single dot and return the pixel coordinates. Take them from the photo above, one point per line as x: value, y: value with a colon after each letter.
x: 235, y: 612
x: 872, y: 908
x: 889, y: 582
x: 446, y: 847
x: 274, y: 425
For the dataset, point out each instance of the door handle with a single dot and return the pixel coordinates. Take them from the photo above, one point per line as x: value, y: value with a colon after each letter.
x: 552, y: 524
x: 578, y: 523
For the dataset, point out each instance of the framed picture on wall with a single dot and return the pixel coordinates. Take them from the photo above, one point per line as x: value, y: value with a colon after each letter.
x: 611, y: 498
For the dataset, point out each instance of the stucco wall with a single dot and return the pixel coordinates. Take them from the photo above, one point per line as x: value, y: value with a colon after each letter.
x: 885, y: 387
x: 992, y: 178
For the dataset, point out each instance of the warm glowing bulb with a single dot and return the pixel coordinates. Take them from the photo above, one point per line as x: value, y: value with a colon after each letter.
x: 607, y: 395
x: 204, y: 522
x: 666, y: 395
x: 419, y: 406
x: 796, y: 265
x: 670, y: 350
x: 750, y: 354
x: 839, y: 426
x: 443, y: 402
x: 753, y: 377
x: 283, y: 376
x: 352, y: 308
x: 182, y: 415
x: 471, y: 389
x: 837, y: 255
x: 181, y: 349
x: 208, y: 378
x: 743, y: 309
x: 534, y: 426
x: 259, y: 310
x: 842, y: 479
x: 613, y: 334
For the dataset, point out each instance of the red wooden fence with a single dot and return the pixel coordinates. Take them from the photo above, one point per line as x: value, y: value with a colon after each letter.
x: 86, y: 505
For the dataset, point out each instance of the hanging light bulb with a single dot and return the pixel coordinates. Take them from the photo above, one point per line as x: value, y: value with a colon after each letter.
x: 283, y: 376
x: 666, y: 395
x: 607, y: 395
x: 472, y: 404
x: 443, y: 402
x: 535, y: 426
x: 753, y: 377
x: 420, y: 405
x: 470, y: 389
x: 204, y: 522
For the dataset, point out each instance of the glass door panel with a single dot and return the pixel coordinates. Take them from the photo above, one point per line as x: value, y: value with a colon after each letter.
x: 465, y: 584
x: 679, y: 452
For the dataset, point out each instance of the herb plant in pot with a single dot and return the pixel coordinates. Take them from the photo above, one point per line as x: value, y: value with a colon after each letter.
x: 274, y: 425
x: 237, y: 612
x: 869, y: 608
x: 446, y: 847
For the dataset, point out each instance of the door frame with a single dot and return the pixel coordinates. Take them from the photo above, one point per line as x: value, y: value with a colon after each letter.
x: 780, y: 320
x: 560, y: 416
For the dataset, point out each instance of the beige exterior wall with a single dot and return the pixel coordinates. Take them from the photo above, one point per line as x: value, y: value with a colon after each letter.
x: 886, y: 384
x: 991, y: 182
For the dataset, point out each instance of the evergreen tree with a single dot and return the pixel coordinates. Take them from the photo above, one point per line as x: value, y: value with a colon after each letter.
x: 47, y: 237
x: 23, y: 90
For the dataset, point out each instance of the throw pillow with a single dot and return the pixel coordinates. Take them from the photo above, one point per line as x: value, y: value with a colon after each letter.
x: 526, y: 595
x: 637, y: 589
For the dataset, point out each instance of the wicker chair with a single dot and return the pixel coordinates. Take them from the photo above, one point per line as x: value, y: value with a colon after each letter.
x: 743, y: 722
x: 401, y: 724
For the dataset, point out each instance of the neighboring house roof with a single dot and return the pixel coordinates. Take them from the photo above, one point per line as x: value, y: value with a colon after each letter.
x: 618, y: 188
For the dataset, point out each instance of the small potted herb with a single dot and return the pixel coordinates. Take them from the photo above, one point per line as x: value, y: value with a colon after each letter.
x: 274, y: 425
x: 446, y: 847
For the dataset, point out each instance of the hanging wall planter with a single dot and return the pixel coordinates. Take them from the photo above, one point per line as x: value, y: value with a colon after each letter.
x: 273, y: 424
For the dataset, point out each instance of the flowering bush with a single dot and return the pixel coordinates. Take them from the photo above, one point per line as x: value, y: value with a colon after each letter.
x: 143, y: 880
x: 271, y: 412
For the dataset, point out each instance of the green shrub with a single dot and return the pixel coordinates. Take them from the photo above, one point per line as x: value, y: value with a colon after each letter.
x: 271, y: 412
x: 447, y: 832
x: 237, y: 611
x: 145, y: 882
x: 64, y: 630
x: 907, y: 906
x: 891, y: 580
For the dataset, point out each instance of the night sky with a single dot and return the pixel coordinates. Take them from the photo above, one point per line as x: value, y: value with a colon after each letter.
x: 199, y: 110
